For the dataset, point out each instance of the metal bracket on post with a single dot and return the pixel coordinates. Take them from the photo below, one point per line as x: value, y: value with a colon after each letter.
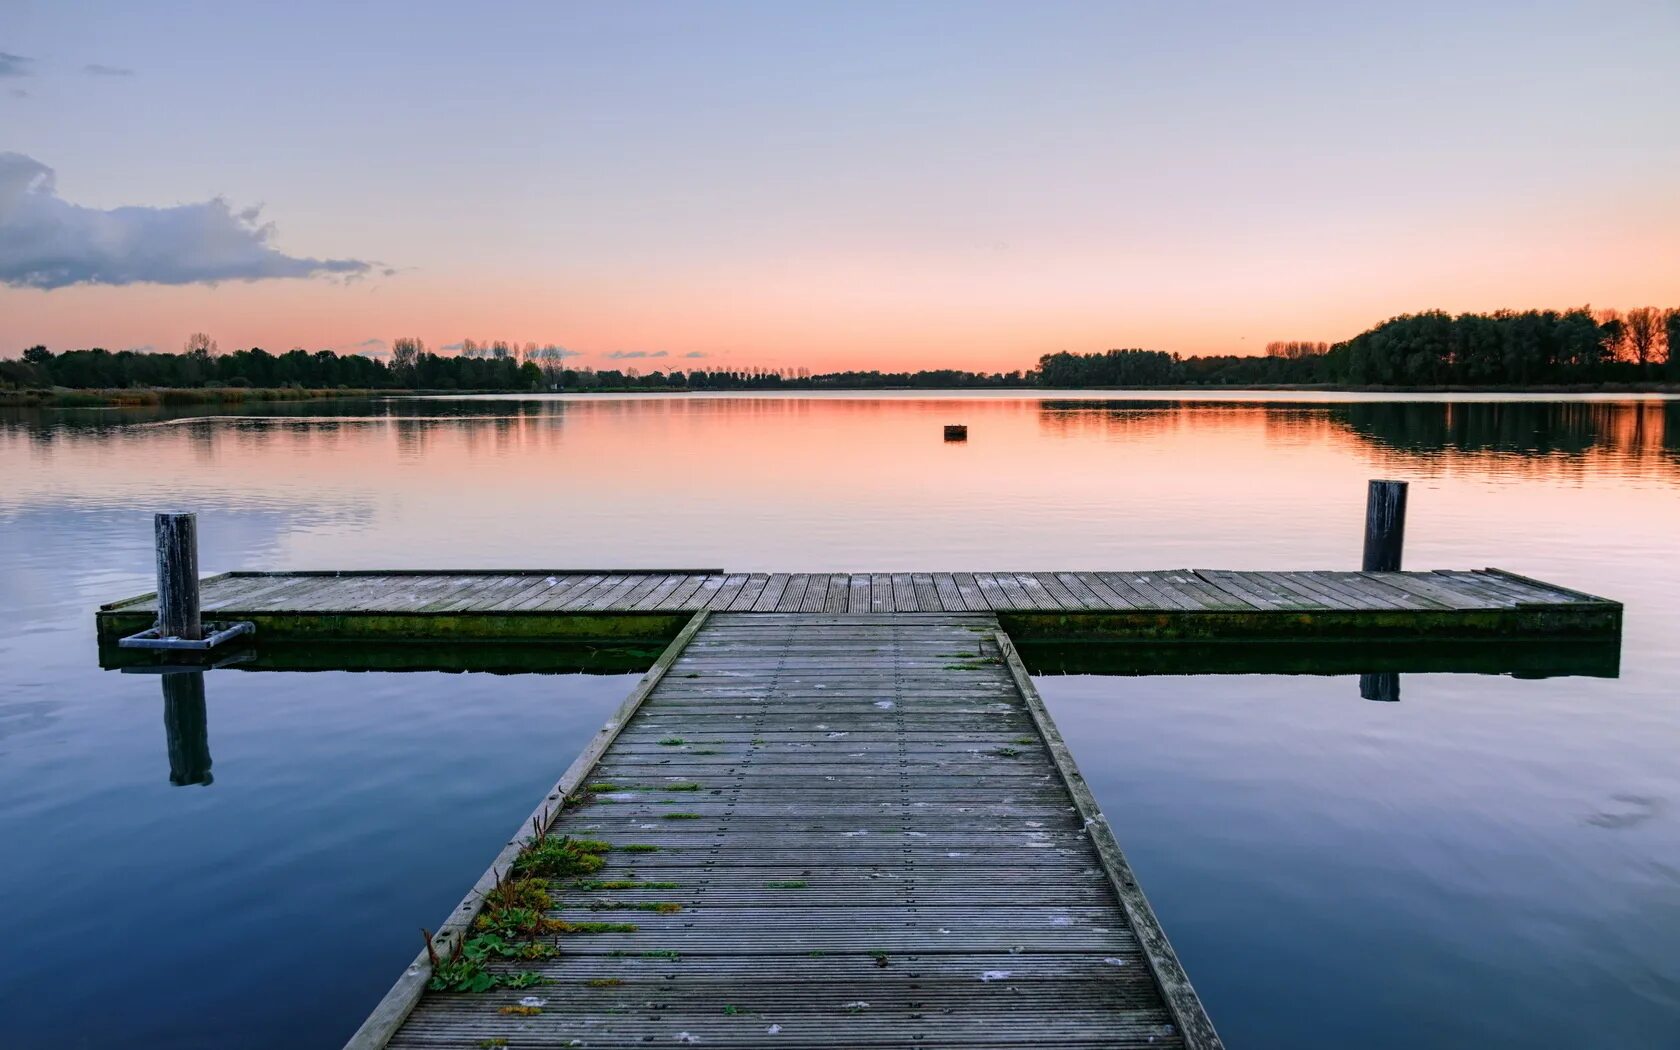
x: 179, y: 626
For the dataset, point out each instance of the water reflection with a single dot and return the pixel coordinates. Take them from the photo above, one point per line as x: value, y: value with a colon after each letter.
x: 1570, y: 437
x: 186, y: 727
x: 186, y: 720
x: 1384, y: 686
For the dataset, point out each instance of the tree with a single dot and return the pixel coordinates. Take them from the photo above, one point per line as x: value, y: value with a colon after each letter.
x: 1671, y: 334
x: 405, y: 358
x: 551, y: 361
x: 1614, y: 334
x: 200, y: 345
x: 1644, y: 328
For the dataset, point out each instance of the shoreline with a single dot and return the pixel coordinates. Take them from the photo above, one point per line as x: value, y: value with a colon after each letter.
x: 163, y: 397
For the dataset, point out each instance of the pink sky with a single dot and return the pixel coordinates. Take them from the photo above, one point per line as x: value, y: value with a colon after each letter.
x: 879, y: 187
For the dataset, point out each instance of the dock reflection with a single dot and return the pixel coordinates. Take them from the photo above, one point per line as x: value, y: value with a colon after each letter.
x: 1377, y: 668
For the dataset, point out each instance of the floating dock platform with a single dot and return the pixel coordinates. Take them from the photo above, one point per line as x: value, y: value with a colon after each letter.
x: 1182, y: 604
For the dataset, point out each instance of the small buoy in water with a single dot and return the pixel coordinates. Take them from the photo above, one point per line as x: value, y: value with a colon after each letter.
x: 956, y: 432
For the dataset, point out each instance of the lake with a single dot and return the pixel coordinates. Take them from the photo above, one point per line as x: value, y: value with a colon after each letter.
x: 1492, y: 861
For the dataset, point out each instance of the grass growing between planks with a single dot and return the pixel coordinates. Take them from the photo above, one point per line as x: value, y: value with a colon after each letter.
x: 514, y: 921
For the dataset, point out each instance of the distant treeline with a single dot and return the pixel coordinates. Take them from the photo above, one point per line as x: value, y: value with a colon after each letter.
x: 1505, y: 348
x: 1509, y: 348
x: 411, y: 367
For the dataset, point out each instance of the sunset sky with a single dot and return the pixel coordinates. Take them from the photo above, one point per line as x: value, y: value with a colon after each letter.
x: 828, y: 186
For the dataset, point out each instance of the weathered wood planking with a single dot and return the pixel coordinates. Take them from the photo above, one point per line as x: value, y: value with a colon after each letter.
x: 1202, y: 604
x: 889, y: 846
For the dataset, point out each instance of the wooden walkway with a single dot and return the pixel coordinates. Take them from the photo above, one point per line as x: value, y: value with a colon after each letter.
x: 864, y: 831
x: 1199, y: 603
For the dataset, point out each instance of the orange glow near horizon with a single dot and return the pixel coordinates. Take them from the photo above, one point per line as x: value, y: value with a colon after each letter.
x: 861, y: 313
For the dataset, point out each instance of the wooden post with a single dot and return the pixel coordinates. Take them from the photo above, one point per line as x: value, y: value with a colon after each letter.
x: 177, y: 576
x: 186, y: 728
x: 1385, y: 526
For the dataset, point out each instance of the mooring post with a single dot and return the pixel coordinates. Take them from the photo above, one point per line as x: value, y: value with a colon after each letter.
x: 177, y: 576
x: 1385, y: 526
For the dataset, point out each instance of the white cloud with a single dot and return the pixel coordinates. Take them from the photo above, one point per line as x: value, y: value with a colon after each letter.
x: 47, y: 242
x: 630, y: 355
x: 14, y: 65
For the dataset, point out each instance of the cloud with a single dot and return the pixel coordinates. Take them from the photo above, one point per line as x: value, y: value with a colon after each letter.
x: 696, y: 353
x: 453, y: 347
x: 18, y: 93
x: 47, y: 242
x: 15, y: 65
x: 630, y: 355
x: 94, y: 69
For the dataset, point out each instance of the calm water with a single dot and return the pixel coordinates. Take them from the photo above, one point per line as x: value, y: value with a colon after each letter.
x: 1489, y: 862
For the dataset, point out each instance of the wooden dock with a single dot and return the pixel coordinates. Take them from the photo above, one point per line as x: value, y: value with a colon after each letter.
x: 834, y: 811
x: 1173, y: 604
x: 855, y: 829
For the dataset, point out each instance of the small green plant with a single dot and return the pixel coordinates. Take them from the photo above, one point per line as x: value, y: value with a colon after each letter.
x: 561, y: 857
x: 730, y: 1011
x: 681, y: 816
x: 685, y: 786
x: 627, y: 884
x: 493, y: 945
x: 523, y: 979
x: 672, y: 741
x: 787, y: 884
x: 488, y: 1044
x: 514, y: 922
x: 461, y: 974
x: 1025, y: 740
x: 602, y: 785
x: 1007, y: 752
x: 604, y: 982
x: 637, y: 847
x: 515, y: 907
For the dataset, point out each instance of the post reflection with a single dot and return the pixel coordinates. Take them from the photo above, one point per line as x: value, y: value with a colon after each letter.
x: 186, y: 728
x: 1383, y: 686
